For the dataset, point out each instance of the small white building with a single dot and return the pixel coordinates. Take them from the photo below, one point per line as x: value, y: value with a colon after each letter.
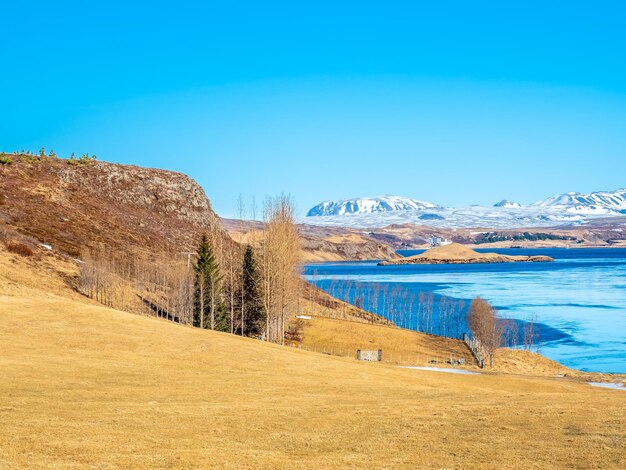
x: 438, y: 241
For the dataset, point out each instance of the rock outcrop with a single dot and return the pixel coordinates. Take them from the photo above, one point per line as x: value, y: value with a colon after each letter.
x: 459, y: 254
x: 104, y: 206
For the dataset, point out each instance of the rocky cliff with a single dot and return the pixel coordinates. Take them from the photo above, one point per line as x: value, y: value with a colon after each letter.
x: 103, y: 205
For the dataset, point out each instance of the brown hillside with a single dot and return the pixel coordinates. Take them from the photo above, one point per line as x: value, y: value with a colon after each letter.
x: 320, y: 243
x: 598, y: 232
x: 118, y: 210
x: 119, y: 207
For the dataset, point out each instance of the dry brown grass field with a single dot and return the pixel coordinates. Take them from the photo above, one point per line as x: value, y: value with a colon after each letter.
x: 84, y: 386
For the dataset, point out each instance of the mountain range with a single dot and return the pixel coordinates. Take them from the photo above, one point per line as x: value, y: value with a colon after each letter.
x: 369, y: 205
x: 568, y: 208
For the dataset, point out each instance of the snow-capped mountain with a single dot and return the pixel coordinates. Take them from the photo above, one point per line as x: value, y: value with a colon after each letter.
x: 600, y: 203
x: 508, y: 204
x: 569, y: 208
x: 370, y: 205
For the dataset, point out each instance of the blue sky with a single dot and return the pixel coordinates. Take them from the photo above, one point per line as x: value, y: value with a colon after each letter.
x: 453, y: 102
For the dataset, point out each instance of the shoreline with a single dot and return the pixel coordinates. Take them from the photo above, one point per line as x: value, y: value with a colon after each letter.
x: 352, y: 270
x: 529, y: 259
x: 456, y: 253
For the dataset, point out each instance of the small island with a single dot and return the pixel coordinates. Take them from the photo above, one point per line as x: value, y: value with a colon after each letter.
x: 456, y: 253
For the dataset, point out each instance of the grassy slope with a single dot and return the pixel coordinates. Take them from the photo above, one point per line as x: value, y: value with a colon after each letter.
x: 84, y: 385
x: 407, y: 347
x: 398, y: 345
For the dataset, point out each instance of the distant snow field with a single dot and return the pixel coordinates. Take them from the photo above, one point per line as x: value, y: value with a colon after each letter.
x: 569, y: 208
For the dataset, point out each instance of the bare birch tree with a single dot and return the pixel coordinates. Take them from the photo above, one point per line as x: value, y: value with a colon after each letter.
x: 280, y: 260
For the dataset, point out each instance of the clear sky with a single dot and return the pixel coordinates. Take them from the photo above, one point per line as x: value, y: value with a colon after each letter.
x: 452, y: 102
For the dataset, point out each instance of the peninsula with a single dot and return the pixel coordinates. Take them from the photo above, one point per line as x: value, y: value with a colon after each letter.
x: 456, y: 253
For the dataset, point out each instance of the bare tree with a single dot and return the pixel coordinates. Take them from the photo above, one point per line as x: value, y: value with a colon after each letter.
x: 483, y: 324
x: 241, y: 209
x: 280, y: 260
x: 529, y: 333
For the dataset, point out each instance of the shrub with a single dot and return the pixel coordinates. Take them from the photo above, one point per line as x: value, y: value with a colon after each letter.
x: 83, y: 160
x: 86, y: 159
x: 19, y: 248
x: 5, y: 160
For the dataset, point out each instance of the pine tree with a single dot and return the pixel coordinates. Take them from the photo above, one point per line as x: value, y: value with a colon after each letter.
x: 209, y: 311
x: 252, y: 317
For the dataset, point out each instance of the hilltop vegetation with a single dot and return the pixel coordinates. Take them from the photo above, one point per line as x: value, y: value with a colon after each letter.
x: 494, y: 237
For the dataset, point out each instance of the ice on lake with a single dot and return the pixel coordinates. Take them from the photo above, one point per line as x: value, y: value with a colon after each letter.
x: 582, y: 294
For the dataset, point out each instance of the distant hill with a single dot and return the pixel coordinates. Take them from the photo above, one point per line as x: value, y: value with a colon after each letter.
x: 601, y: 202
x: 318, y: 243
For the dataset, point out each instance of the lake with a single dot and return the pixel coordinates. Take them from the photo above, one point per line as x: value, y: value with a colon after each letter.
x: 578, y: 303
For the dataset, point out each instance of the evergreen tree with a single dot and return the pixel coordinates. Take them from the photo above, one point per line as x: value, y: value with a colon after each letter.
x: 252, y: 316
x: 209, y: 311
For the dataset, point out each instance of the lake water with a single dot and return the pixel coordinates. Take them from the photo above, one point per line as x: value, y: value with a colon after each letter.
x: 579, y: 301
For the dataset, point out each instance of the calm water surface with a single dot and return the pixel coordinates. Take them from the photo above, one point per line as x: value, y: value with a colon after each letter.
x: 580, y: 299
